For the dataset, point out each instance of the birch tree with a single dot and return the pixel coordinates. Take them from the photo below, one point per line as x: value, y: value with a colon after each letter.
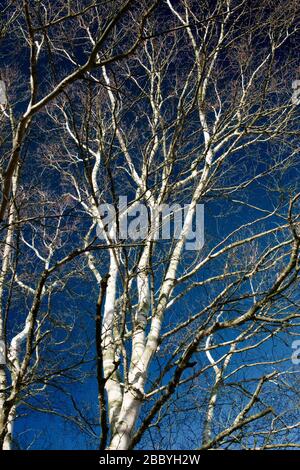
x: 196, y: 109
x: 32, y: 77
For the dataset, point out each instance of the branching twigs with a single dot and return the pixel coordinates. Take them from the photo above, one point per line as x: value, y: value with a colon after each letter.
x: 162, y: 103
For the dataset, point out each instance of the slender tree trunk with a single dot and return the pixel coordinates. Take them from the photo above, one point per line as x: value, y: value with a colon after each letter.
x: 6, y: 422
x: 112, y: 384
x: 126, y: 421
x: 8, y: 440
x: 2, y: 404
